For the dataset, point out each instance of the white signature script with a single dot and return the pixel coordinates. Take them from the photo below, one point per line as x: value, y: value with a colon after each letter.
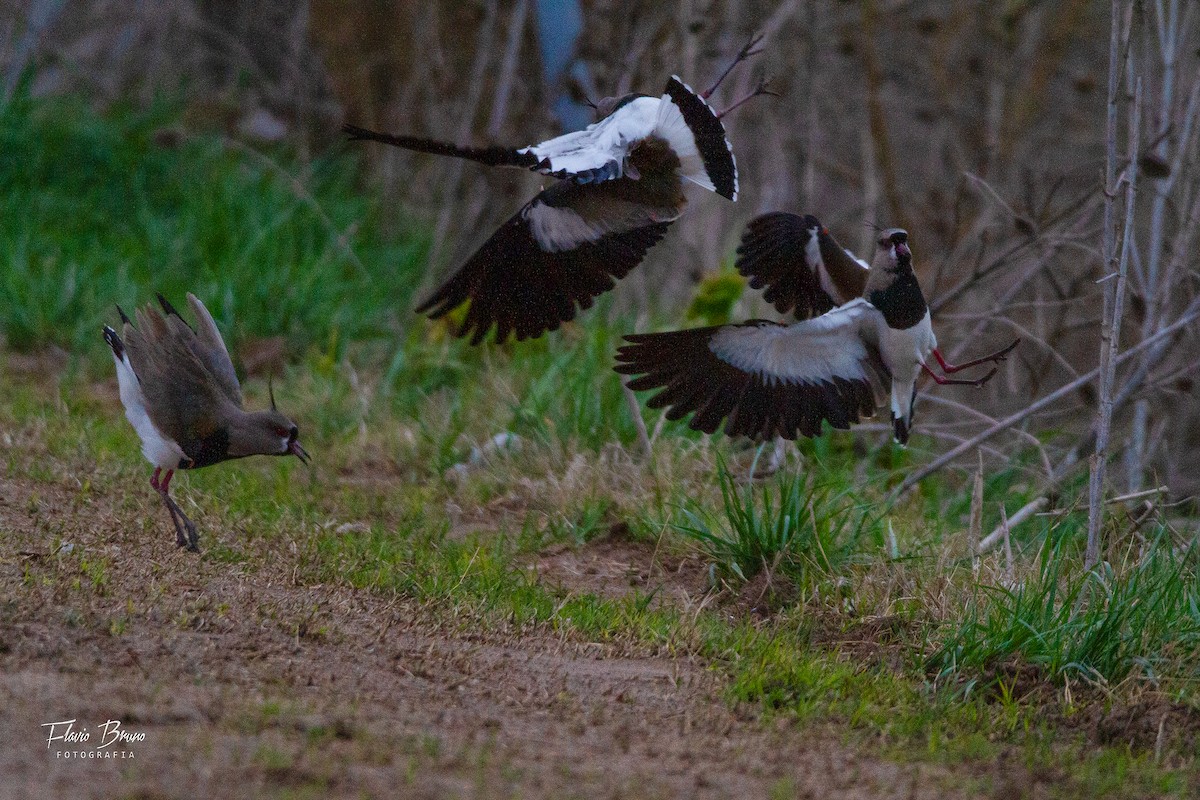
x: 111, y: 733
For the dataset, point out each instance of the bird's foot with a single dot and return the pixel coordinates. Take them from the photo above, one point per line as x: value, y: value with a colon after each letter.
x: 748, y: 50
x: 760, y: 89
x: 942, y: 380
x: 186, y: 534
x: 994, y: 358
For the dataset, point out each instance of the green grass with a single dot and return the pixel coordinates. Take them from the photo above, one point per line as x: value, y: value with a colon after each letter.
x: 96, y: 212
x: 794, y: 525
x: 100, y: 209
x: 1141, y: 618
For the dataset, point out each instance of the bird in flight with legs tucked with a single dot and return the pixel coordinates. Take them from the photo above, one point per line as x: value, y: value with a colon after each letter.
x: 621, y: 183
x: 863, y: 338
x: 183, y: 398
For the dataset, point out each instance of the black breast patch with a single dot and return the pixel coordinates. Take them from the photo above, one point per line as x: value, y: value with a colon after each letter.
x: 902, y: 304
x: 207, y: 450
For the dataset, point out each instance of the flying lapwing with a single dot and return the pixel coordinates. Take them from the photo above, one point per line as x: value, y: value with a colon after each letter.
x: 864, y: 335
x: 621, y: 186
x: 182, y: 396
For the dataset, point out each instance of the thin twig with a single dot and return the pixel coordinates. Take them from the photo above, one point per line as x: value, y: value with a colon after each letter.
x: 975, y: 528
x: 1125, y: 498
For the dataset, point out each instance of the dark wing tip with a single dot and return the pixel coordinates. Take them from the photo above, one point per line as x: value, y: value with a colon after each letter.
x: 709, y: 133
x: 513, y: 286
x: 114, y: 342
x: 166, y: 305
x: 357, y: 134
x: 773, y: 254
x: 124, y: 317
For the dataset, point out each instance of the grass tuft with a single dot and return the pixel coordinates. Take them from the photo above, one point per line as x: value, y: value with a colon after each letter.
x: 1140, y: 620
x: 794, y: 525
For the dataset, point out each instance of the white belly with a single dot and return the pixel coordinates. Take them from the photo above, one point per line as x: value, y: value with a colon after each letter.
x: 905, y: 351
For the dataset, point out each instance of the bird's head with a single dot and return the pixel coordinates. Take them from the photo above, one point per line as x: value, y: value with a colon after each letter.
x: 893, y: 254
x: 267, y: 433
x: 606, y: 106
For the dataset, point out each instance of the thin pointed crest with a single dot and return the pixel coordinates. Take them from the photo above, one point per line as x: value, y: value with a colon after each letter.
x: 271, y: 391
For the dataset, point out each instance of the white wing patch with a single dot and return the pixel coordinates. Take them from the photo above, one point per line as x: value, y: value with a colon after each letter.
x: 602, y: 143
x: 560, y: 228
x: 812, y: 254
x: 158, y: 449
x: 829, y: 346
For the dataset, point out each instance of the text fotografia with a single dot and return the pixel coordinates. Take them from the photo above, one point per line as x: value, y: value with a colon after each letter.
x: 113, y: 741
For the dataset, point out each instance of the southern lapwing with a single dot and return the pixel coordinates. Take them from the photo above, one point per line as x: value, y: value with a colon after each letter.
x: 182, y: 396
x: 622, y: 181
x: 768, y: 379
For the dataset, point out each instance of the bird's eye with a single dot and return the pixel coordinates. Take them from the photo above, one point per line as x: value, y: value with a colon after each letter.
x: 884, y: 242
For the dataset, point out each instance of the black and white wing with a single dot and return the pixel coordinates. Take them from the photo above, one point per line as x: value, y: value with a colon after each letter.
x: 562, y: 249
x: 765, y: 379
x: 801, y: 266
x: 696, y: 135
x: 602, y: 151
x: 680, y: 117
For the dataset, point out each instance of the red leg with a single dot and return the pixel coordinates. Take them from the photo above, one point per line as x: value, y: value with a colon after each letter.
x: 185, y: 530
x: 995, y: 357
x: 742, y: 55
x: 941, y: 380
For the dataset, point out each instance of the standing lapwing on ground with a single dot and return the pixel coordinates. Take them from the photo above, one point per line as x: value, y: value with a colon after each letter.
x: 182, y: 396
x: 768, y: 379
x: 622, y: 181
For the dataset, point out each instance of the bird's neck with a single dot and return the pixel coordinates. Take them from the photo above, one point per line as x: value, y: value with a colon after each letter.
x: 901, y: 301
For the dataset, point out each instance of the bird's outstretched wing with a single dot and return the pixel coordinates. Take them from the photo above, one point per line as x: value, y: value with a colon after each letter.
x: 800, y: 265
x: 562, y: 249
x: 602, y: 151
x: 763, y: 378
x: 696, y: 135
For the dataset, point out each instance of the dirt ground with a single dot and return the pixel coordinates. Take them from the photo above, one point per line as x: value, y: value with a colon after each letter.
x: 246, y: 684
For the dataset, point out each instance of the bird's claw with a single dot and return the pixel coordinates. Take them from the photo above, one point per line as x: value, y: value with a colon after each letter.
x: 1002, y: 355
x: 981, y: 381
x: 748, y: 49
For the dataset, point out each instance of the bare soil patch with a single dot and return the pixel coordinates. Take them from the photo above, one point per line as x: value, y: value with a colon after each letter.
x: 247, y: 684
